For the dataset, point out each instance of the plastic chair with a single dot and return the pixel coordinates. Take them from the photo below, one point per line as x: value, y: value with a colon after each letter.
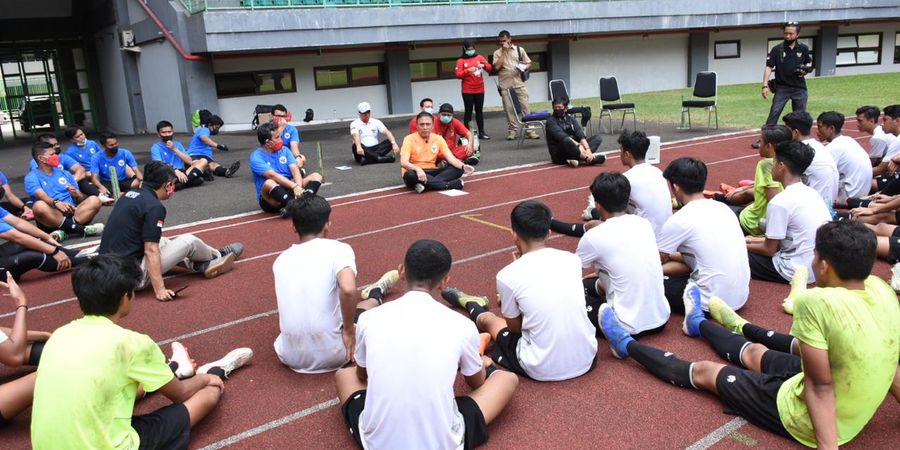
x: 533, y: 120
x: 558, y: 90
x: 705, y: 87
x: 611, y: 101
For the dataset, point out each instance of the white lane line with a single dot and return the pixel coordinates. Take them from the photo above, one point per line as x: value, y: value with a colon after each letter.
x: 217, y: 327
x: 271, y: 425
x: 718, y: 434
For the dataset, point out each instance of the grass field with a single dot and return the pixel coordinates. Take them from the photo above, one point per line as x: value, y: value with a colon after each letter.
x: 741, y: 105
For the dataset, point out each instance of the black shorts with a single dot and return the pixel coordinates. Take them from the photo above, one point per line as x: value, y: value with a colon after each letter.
x: 199, y: 157
x: 762, y: 268
x: 476, y: 432
x: 124, y: 185
x: 168, y: 427
x: 883, y: 180
x: 504, y: 352
x: 894, y: 246
x: 266, y: 207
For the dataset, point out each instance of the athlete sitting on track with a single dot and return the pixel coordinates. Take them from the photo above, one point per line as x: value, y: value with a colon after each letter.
x: 276, y: 174
x: 201, y: 150
x: 418, y: 158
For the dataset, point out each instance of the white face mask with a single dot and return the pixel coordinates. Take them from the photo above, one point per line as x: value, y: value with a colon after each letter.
x: 429, y: 110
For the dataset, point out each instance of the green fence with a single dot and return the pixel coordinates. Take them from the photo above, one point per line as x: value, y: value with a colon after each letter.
x: 12, y: 97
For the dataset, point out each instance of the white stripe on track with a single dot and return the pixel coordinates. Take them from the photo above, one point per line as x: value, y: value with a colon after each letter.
x: 718, y: 434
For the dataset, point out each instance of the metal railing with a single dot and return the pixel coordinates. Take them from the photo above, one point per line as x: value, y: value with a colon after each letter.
x: 195, y: 6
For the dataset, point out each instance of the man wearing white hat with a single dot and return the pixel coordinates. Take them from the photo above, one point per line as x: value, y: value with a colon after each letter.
x: 367, y: 147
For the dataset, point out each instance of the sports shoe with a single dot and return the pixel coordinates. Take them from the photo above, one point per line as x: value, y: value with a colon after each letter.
x: 232, y: 169
x: 511, y: 136
x: 234, y: 360
x: 106, y: 200
x: 722, y: 313
x: 484, y: 136
x: 599, y: 158
x: 283, y: 213
x: 895, y: 277
x: 454, y: 297
x: 798, y: 285
x: 572, y: 162
x: 531, y: 134
x: 385, y: 283
x: 216, y: 267
x: 616, y: 335
x: 181, y: 356
x: 693, y: 312
x: 456, y: 184
x: 419, y: 187
x: 59, y: 235
x: 756, y: 144
x: 94, y: 229
x: 587, y: 214
x: 235, y: 247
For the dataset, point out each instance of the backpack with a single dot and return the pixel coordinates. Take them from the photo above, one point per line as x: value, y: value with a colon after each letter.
x: 200, y: 117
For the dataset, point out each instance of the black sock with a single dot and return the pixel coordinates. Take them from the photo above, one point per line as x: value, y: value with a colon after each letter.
x: 568, y: 229
x: 773, y: 340
x: 217, y: 371
x: 70, y: 226
x: 35, y: 356
x: 220, y: 171
x: 173, y: 365
x: 312, y: 187
x: 595, y: 215
x: 590, y: 287
x: 728, y: 345
x: 475, y: 310
x: 663, y: 365
x: 376, y: 294
x: 359, y: 312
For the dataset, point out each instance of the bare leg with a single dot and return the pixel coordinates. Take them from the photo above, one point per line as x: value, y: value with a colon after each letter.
x: 495, y: 393
x: 880, y: 218
x: 202, y: 403
x: 704, y: 374
x: 895, y: 386
x: 676, y: 268
x: 87, y: 209
x: 751, y: 357
x: 490, y: 323
x: 347, y: 382
x: 882, y: 229
x: 46, y: 214
x: 741, y: 196
x: 17, y: 395
x: 882, y: 247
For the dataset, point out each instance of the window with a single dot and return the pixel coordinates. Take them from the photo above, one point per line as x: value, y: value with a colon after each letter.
x: 335, y: 77
x: 539, y: 61
x: 897, y: 48
x: 808, y: 41
x: 436, y: 69
x: 858, y: 50
x: 727, y: 49
x: 255, y: 83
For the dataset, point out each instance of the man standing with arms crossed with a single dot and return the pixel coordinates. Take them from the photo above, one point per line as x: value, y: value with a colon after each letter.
x: 510, y: 61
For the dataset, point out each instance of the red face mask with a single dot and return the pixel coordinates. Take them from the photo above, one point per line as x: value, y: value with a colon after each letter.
x: 53, y: 160
x: 170, y: 192
x: 278, y: 145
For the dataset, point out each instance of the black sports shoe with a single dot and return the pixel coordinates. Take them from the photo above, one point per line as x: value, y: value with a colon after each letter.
x: 756, y: 144
x: 283, y: 213
x: 235, y: 247
x: 232, y: 169
x: 484, y: 136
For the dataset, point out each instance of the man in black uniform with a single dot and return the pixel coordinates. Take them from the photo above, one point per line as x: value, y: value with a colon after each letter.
x: 791, y: 62
x: 135, y: 230
x: 566, y: 141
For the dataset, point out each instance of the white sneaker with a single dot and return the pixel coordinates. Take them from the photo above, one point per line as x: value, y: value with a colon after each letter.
x: 181, y: 356
x: 586, y: 214
x: 420, y: 188
x: 234, y: 360
x: 385, y: 283
x: 895, y: 277
x: 106, y: 200
x: 572, y: 162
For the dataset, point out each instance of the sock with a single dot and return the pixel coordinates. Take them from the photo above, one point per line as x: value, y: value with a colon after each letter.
x: 220, y: 171
x: 312, y: 187
x: 173, y: 366
x: 359, y: 312
x: 35, y: 356
x: 281, y: 194
x: 590, y: 287
x: 728, y: 345
x: 475, y: 310
x: 217, y: 371
x: 376, y: 294
x: 70, y: 226
x: 664, y: 365
x: 773, y: 340
x: 568, y: 229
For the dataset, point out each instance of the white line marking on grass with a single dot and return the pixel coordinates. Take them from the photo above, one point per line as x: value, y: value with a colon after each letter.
x: 233, y: 439
x: 718, y: 434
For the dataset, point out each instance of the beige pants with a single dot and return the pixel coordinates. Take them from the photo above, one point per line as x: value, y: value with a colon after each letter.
x: 511, y: 120
x: 185, y: 250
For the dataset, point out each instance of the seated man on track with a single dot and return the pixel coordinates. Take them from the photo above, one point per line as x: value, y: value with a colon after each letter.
x: 135, y: 231
x: 566, y: 140
x: 93, y: 370
x: 128, y: 175
x: 288, y: 132
x: 544, y: 333
x: 11, y: 202
x: 27, y: 248
x: 171, y: 152
x: 66, y: 162
x: 318, y: 306
x: 201, y: 150
x: 365, y: 132
x: 408, y: 352
x: 853, y: 163
x: 822, y: 174
x: 819, y: 385
x: 459, y: 138
x: 82, y: 149
x: 418, y: 159
x: 59, y: 207
x: 276, y: 174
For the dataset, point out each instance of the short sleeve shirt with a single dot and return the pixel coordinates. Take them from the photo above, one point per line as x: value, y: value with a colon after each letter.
x: 793, y: 217
x: 138, y: 217
x: 424, y: 153
x: 161, y: 152
x: 368, y: 132
x: 762, y: 180
x: 290, y: 134
x: 879, y: 143
x: 54, y: 184
x: 4, y: 227
x: 65, y: 161
x: 3, y: 180
x: 854, y: 165
x: 101, y: 162
x: 199, y: 148
x: 785, y: 61
x: 87, y: 382
x: 508, y: 76
x: 262, y: 161
x: 83, y: 154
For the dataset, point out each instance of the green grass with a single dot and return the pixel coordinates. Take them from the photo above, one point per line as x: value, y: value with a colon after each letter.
x: 742, y: 106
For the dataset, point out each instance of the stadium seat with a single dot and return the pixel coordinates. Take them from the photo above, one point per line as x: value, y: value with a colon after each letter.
x: 532, y: 120
x: 611, y: 101
x: 705, y: 87
x: 557, y: 90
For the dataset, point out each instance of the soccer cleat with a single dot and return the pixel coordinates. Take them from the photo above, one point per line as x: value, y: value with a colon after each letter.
x: 587, y: 214
x: 94, y: 230
x: 722, y: 313
x: 208, y: 175
x: 234, y: 360
x: 693, y: 312
x: 181, y: 356
x: 420, y: 188
x: 59, y: 235
x: 385, y: 283
x: 235, y: 247
x: 572, y: 162
x: 756, y: 144
x: 454, y: 297
x: 895, y: 277
x: 798, y: 285
x: 283, y: 213
x: 484, y: 136
x: 616, y: 335
x: 484, y: 339
x: 216, y: 267
x: 232, y: 169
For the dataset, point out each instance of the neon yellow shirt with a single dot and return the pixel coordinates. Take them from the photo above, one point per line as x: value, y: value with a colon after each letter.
x: 755, y: 211
x: 861, y: 332
x: 86, y: 385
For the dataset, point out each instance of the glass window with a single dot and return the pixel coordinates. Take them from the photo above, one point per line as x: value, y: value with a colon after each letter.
x: 366, y: 75
x: 846, y: 42
x: 897, y: 48
x: 448, y: 69
x: 331, y: 77
x: 538, y: 61
x: 423, y: 70
x: 255, y: 83
x: 727, y: 49
x: 846, y: 58
x: 859, y: 50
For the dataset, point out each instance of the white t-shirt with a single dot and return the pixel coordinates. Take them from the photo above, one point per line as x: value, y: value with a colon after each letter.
x: 709, y: 236
x: 368, y: 132
x: 650, y: 197
x: 893, y: 146
x: 793, y: 216
x: 853, y: 164
x: 544, y: 287
x: 623, y: 251
x: 412, y: 348
x: 879, y: 143
x: 822, y: 175
x: 309, y: 305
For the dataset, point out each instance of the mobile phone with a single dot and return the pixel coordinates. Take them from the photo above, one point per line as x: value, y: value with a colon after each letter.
x: 175, y: 292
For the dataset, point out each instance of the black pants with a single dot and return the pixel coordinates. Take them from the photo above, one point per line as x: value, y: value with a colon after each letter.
x: 474, y: 102
x: 87, y: 188
x: 17, y: 260
x: 762, y: 268
x: 567, y: 149
x: 674, y: 287
x: 439, y: 179
x: 371, y: 154
x: 797, y: 96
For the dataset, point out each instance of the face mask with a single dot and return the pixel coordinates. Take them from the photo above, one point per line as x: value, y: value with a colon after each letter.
x: 559, y: 113
x: 278, y: 146
x: 429, y: 110
x: 364, y: 119
x: 213, y: 131
x: 170, y: 192
x: 470, y: 52
x: 53, y: 160
x: 166, y: 138
x: 278, y: 120
x: 446, y: 119
x: 81, y: 143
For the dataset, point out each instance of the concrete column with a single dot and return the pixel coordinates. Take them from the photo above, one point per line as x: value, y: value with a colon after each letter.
x: 559, y: 62
x: 825, y: 51
x: 698, y: 55
x: 399, y: 81
x: 130, y: 74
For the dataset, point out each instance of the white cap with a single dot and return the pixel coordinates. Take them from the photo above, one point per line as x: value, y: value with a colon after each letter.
x: 363, y: 107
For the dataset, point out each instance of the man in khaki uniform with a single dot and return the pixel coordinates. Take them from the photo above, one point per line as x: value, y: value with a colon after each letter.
x: 509, y: 69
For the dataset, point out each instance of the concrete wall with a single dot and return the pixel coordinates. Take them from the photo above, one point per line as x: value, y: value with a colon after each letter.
x: 115, y: 93
x: 160, y: 77
x: 754, y: 48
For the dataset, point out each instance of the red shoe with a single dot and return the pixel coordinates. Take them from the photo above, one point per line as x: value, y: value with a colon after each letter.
x: 745, y: 183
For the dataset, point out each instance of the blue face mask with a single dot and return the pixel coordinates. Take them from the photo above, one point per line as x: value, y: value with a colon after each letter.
x: 470, y: 52
x: 446, y: 119
x: 429, y: 110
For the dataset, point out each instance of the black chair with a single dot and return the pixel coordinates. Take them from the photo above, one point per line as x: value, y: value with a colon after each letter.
x: 532, y: 120
x: 558, y: 90
x: 705, y: 87
x: 611, y: 101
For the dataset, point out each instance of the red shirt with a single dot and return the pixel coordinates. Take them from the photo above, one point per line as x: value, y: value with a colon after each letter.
x: 471, y: 83
x: 451, y: 134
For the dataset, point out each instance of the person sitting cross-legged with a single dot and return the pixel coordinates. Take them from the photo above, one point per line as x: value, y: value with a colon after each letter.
x: 276, y: 173
x: 544, y: 333
x: 566, y: 140
x: 27, y: 247
x: 128, y: 175
x: 69, y: 163
x: 408, y: 352
x: 201, y: 151
x: 459, y: 139
x: 365, y: 132
x: 821, y: 384
x: 418, y: 158
x: 92, y: 371
x: 168, y: 150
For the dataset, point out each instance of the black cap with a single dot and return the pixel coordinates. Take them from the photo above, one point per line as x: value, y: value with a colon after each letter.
x: 446, y: 107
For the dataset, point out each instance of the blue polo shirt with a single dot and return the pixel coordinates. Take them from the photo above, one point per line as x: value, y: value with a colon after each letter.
x: 65, y: 161
x: 53, y: 184
x: 4, y: 227
x: 197, y: 147
x: 290, y: 134
x: 161, y: 152
x: 83, y: 154
x: 262, y: 161
x: 100, y: 164
x: 3, y: 180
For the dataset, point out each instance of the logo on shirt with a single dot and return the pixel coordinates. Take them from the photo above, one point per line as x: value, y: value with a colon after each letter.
x: 159, y: 223
x: 434, y: 148
x: 121, y: 163
x: 730, y: 378
x: 62, y: 181
x: 92, y: 150
x: 283, y: 159
x: 287, y: 135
